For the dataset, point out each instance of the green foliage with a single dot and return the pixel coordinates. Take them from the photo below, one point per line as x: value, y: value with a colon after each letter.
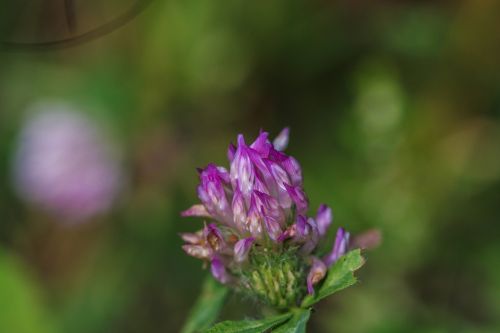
x: 296, y: 324
x: 249, y: 326
x: 22, y: 310
x: 207, y: 308
x: 294, y: 321
x: 339, y: 276
x: 291, y: 322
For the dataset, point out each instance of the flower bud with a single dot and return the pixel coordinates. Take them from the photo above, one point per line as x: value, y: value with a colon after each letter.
x: 316, y: 274
x: 339, y: 247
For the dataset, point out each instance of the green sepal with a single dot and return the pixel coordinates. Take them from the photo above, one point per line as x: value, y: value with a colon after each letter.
x: 339, y: 276
x: 249, y: 326
x: 207, y: 307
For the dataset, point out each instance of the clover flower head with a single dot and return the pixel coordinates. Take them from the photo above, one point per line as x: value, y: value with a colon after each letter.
x: 260, y: 239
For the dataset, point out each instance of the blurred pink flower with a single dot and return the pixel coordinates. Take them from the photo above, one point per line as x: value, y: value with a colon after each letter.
x: 65, y: 164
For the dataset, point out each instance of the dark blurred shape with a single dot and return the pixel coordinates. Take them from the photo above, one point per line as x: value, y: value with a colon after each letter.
x: 44, y: 24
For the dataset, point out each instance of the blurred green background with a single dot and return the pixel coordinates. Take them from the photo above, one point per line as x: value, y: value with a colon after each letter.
x: 394, y: 108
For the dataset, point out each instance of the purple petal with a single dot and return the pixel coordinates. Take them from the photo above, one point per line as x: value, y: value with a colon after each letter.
x: 214, y: 237
x: 241, y: 140
x: 242, y: 169
x: 264, y: 180
x: 316, y: 274
x: 219, y: 271
x: 284, y: 236
x: 254, y: 225
x: 239, y: 209
x: 290, y: 232
x: 313, y: 237
x: 196, y: 210
x: 231, y: 151
x: 269, y: 209
x: 192, y: 238
x: 277, y: 183
x: 262, y: 145
x: 277, y: 156
x: 281, y: 141
x: 242, y: 248
x: 289, y: 165
x: 292, y: 167
x: 198, y: 251
x: 298, y: 196
x: 302, y: 227
x: 323, y: 219
x: 223, y: 175
x: 339, y: 248
x: 260, y: 186
x: 212, y: 193
x: 279, y: 174
x: 273, y: 228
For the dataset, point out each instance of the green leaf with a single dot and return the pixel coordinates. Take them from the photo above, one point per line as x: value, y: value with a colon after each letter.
x: 340, y: 276
x: 296, y: 324
x: 207, y: 307
x: 249, y: 326
x: 22, y: 305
